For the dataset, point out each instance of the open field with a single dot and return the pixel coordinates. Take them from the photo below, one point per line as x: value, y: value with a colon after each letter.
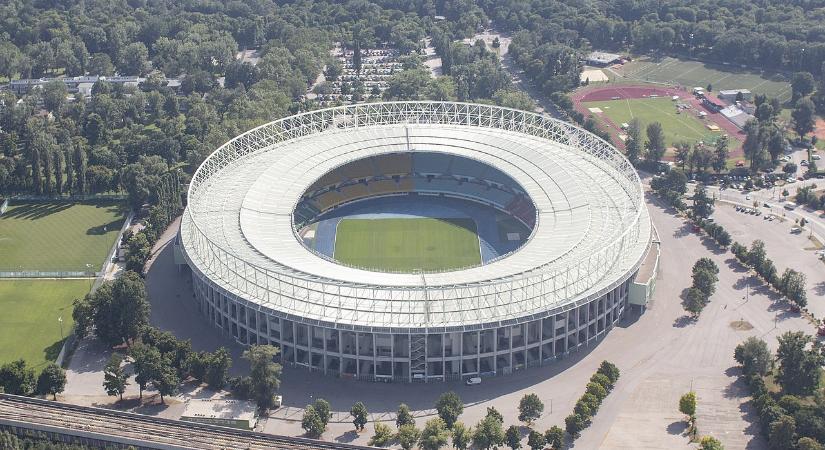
x: 685, y: 126
x: 29, y: 326
x: 407, y: 244
x: 694, y: 73
x: 58, y: 236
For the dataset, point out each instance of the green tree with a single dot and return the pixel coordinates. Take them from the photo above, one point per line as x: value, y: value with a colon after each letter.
x: 633, y: 144
x: 488, y: 433
x: 782, y: 433
x: 535, y: 440
x: 359, y: 416
x: 449, y: 407
x: 115, y: 379
x: 695, y: 301
x: 720, y: 154
x: 803, y: 117
x: 705, y: 281
x: 324, y: 410
x: 554, y: 437
x: 512, y: 437
x: 609, y: 370
x: 802, y: 84
x: 118, y: 309
x: 710, y: 443
x: 530, y: 408
x: 597, y: 390
x: 462, y: 436
x: 52, y: 380
x: 754, y: 356
x: 217, y: 368
x: 408, y: 436
x: 383, y: 435
x: 792, y: 285
x: 799, y: 367
x: 434, y: 435
x: 757, y: 254
x: 54, y: 96
x: 655, y: 144
x: 146, y: 361
x: 702, y: 204
x: 134, y: 59
x: 687, y: 404
x: 16, y: 378
x: 166, y: 379
x: 683, y: 154
x: 403, y: 416
x: 264, y: 373
x: 574, y: 424
x: 807, y: 443
x: 312, y: 423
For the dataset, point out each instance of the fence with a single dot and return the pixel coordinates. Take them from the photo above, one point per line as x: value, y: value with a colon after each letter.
x: 46, y: 274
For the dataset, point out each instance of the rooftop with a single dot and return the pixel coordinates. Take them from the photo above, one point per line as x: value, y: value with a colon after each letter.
x: 592, y: 226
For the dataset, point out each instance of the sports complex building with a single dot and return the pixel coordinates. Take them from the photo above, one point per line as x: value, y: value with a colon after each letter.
x: 416, y: 241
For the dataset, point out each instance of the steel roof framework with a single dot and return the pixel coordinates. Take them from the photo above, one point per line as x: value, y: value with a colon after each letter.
x: 342, y: 302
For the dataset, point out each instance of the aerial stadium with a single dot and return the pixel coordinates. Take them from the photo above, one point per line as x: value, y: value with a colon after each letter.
x: 415, y: 241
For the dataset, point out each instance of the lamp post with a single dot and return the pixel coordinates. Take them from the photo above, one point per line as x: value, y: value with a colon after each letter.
x: 60, y: 319
x: 89, y: 266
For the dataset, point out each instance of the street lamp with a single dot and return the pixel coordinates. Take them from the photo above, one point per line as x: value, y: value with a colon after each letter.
x: 60, y: 319
x: 89, y: 266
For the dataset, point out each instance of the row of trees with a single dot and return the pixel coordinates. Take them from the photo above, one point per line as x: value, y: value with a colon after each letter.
x: 791, y: 283
x: 705, y: 276
x: 19, y: 379
x: 791, y: 417
x: 488, y: 433
x: 601, y: 383
x: 806, y: 195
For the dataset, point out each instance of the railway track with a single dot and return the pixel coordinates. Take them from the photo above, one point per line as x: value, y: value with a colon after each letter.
x: 145, y: 431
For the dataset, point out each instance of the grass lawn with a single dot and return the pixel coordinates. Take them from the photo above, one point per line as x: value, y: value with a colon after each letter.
x: 677, y: 127
x: 29, y: 326
x: 58, y: 236
x: 406, y: 245
x: 694, y: 73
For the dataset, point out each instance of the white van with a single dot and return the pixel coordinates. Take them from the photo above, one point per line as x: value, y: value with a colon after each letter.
x: 473, y: 381
x: 790, y: 206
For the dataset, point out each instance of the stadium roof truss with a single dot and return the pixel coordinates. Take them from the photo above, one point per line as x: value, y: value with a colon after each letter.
x: 591, y: 234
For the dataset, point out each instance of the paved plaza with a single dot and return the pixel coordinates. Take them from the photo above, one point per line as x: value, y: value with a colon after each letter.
x: 661, y: 353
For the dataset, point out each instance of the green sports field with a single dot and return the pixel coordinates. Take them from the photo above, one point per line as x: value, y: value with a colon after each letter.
x: 406, y: 245
x: 677, y: 127
x: 29, y: 326
x: 694, y: 73
x: 58, y: 236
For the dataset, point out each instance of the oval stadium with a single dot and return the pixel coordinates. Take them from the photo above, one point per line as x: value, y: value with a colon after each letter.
x: 415, y: 241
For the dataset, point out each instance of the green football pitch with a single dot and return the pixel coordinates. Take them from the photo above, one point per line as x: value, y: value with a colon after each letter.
x: 58, y: 236
x: 406, y: 245
x: 677, y: 127
x: 29, y: 323
x: 694, y: 73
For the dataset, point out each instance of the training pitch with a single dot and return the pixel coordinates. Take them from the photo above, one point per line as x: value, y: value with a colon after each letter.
x: 694, y: 73
x: 58, y: 236
x: 406, y: 245
x: 29, y: 325
x: 685, y: 126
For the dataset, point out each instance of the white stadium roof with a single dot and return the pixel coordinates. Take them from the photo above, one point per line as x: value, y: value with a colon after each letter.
x: 592, y: 227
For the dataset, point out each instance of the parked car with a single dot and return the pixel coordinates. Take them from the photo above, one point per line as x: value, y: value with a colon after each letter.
x: 473, y: 381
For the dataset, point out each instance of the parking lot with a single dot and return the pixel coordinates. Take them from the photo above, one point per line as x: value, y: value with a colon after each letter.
x: 787, y: 249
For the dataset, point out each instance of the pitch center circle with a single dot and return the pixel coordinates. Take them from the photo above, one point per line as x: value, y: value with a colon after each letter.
x: 412, y: 212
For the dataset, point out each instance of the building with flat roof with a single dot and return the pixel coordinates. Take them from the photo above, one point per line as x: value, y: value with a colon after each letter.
x: 729, y: 95
x: 226, y: 413
x: 602, y: 59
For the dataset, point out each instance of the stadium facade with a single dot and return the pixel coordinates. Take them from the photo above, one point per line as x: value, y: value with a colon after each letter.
x: 565, y: 287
